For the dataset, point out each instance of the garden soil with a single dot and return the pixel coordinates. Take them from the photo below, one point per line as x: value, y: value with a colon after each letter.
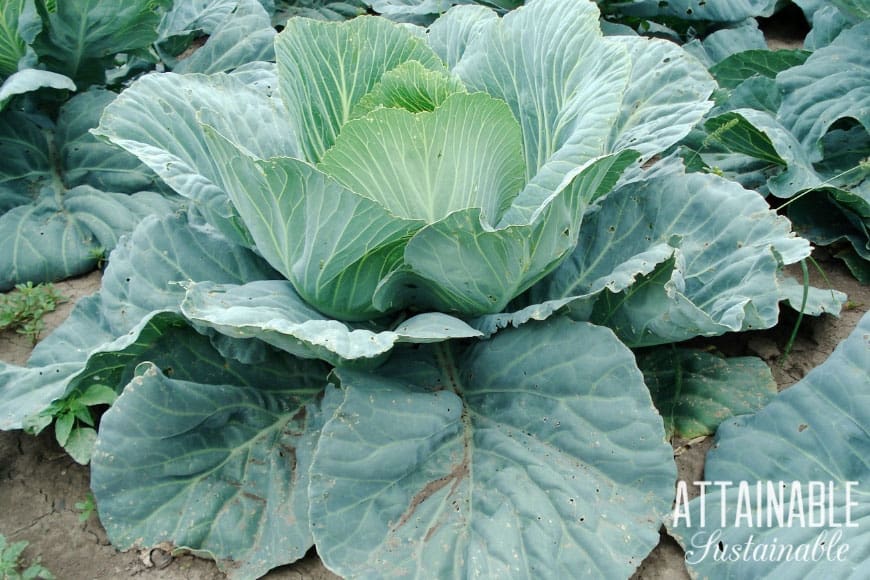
x: 40, y: 484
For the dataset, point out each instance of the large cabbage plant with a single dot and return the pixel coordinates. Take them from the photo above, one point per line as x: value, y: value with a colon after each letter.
x: 395, y: 321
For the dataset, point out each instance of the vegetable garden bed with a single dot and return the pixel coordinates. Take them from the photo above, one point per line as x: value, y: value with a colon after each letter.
x: 467, y: 297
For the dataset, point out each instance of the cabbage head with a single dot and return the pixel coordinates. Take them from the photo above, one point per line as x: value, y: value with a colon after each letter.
x: 442, y: 170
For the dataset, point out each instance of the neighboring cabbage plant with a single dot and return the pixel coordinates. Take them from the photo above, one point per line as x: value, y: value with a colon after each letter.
x: 65, y: 197
x: 395, y: 320
x: 794, y: 124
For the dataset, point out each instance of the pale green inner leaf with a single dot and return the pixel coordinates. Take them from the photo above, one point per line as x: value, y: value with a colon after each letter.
x: 409, y: 86
x: 333, y: 245
x: 324, y: 68
x: 465, y: 154
x: 11, y: 45
x: 563, y: 82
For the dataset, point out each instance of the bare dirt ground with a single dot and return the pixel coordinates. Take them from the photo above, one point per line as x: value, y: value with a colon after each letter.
x: 40, y: 484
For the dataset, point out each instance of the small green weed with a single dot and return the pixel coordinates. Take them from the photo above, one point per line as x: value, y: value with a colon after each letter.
x: 98, y: 254
x: 73, y: 420
x: 23, y: 308
x: 10, y: 564
x: 86, y: 508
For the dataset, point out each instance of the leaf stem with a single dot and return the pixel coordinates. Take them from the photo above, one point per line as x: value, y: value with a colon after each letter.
x: 797, y: 324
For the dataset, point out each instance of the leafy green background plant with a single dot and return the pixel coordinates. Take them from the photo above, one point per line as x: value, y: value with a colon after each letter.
x: 790, y: 125
x: 63, y: 194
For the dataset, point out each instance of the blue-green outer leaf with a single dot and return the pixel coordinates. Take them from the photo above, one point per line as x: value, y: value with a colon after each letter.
x: 451, y: 34
x: 87, y: 160
x: 26, y: 158
x: 25, y: 392
x: 666, y: 96
x: 158, y: 120
x: 414, y: 10
x: 732, y: 11
x: 57, y: 236
x: 857, y: 10
x: 272, y: 311
x: 494, y: 463
x: 725, y: 42
x: 29, y: 80
x: 740, y: 66
x: 695, y: 391
x: 138, y: 285
x: 815, y: 431
x: 827, y: 24
x: 189, y: 17
x: 245, y: 35
x: 818, y: 300
x: 220, y: 468
x: 79, y: 39
x: 62, y: 192
x: 713, y: 283
x: 145, y: 273
x: 818, y: 93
